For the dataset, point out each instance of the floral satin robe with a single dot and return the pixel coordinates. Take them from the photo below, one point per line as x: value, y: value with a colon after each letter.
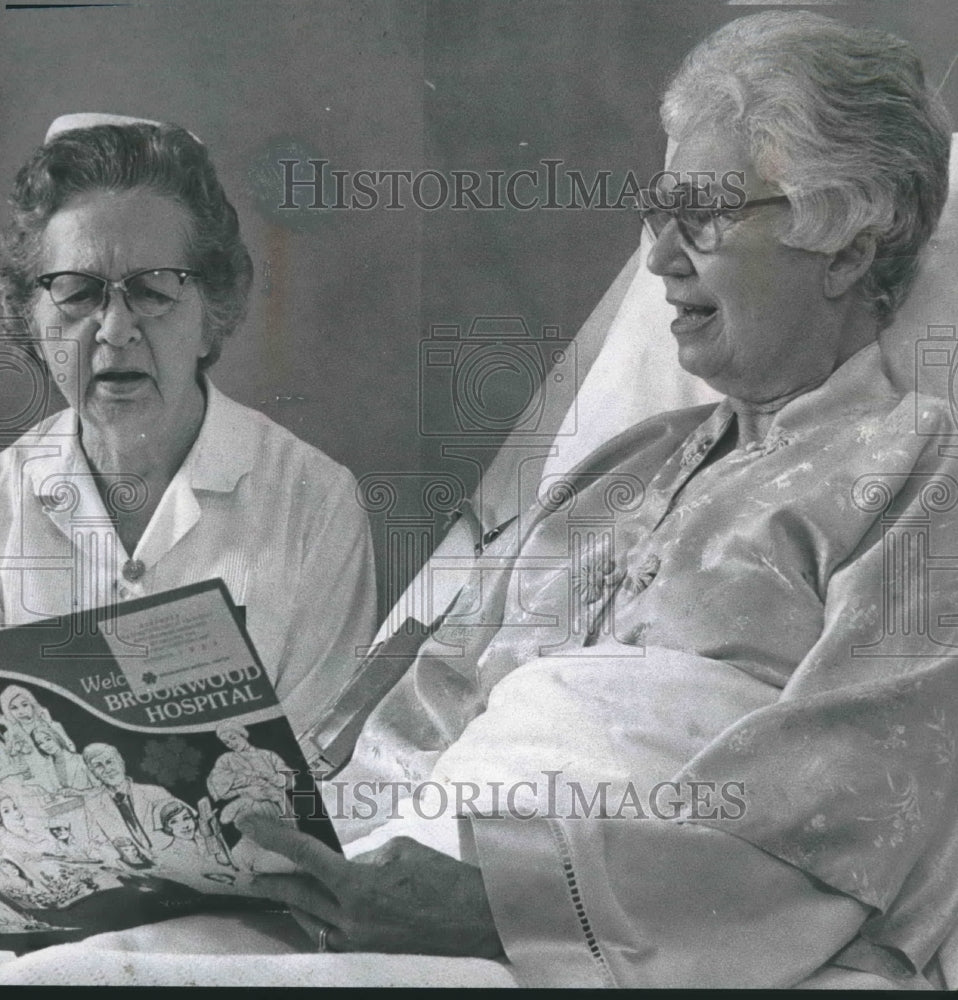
x: 820, y: 566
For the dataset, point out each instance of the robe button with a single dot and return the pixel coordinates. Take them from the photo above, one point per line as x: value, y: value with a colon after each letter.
x: 133, y: 569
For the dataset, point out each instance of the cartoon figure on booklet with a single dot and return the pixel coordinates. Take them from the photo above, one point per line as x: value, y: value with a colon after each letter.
x: 21, y: 837
x: 131, y: 854
x: 249, y: 779
x: 195, y: 843
x: 122, y: 810
x: 246, y: 772
x: 69, y: 845
x: 21, y: 714
x: 60, y: 768
x: 10, y: 766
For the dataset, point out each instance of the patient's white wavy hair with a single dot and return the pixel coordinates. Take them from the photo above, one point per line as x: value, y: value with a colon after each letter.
x: 841, y: 119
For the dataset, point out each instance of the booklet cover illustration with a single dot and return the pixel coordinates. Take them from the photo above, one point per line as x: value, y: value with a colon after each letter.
x: 131, y: 738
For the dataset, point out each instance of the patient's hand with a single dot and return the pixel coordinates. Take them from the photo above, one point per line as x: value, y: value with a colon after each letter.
x: 401, y: 897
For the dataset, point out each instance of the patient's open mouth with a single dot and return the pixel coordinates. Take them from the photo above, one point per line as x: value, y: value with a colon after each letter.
x: 692, y: 316
x: 697, y: 310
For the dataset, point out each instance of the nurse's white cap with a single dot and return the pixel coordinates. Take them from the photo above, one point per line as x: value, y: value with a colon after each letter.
x: 89, y: 119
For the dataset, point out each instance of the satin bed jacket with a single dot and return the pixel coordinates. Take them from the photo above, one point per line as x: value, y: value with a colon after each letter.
x: 782, y: 619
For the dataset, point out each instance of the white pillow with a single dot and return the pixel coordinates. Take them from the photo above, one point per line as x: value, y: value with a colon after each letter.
x: 933, y: 303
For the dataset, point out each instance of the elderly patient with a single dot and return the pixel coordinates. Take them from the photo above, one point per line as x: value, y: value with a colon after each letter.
x: 125, y: 259
x: 760, y: 632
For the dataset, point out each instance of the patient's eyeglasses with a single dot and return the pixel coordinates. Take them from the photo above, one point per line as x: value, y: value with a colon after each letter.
x: 152, y: 292
x: 700, y: 227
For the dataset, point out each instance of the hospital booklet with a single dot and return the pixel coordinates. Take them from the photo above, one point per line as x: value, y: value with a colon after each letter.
x: 131, y: 738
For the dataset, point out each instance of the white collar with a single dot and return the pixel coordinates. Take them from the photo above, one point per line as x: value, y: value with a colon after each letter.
x: 223, y: 452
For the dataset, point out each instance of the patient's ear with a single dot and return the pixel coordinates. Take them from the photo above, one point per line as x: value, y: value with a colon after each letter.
x: 849, y: 264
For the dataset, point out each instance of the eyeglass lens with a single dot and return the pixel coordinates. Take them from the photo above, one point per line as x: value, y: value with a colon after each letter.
x: 150, y: 293
x: 693, y: 215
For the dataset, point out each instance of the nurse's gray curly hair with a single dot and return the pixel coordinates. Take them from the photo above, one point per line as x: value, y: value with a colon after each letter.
x: 158, y: 159
x: 841, y: 119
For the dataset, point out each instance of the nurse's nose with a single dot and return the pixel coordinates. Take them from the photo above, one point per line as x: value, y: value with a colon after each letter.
x: 119, y: 325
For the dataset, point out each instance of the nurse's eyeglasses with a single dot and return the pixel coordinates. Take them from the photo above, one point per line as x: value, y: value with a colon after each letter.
x: 700, y: 227
x: 152, y: 292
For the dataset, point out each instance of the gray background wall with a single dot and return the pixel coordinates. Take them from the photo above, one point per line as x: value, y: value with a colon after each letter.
x: 343, y: 298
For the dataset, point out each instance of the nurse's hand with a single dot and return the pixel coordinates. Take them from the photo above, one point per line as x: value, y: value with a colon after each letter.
x: 402, y: 897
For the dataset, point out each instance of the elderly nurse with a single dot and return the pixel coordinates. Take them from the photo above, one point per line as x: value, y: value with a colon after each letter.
x: 126, y: 259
